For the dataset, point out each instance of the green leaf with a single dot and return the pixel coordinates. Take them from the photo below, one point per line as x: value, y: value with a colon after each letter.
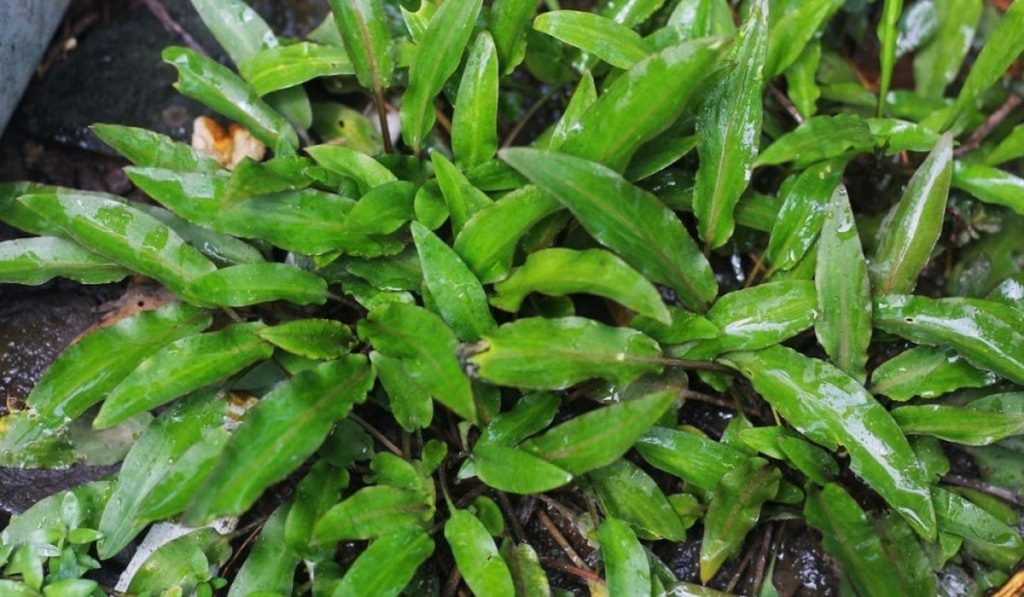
x: 991, y: 185
x: 642, y: 103
x: 628, y: 493
x: 801, y: 82
x: 238, y: 28
x: 182, y: 367
x: 371, y: 512
x: 926, y: 371
x: 843, y: 326
x: 961, y: 425
x: 270, y: 565
x: 183, y: 562
x: 616, y: 44
x: 457, y: 293
x: 1003, y: 46
x: 557, y: 272
x: 936, y: 65
x: 583, y: 97
x: 274, y: 69
x: 160, y: 446
x: 508, y: 22
x: 364, y: 29
x: 251, y: 178
x: 734, y: 510
x: 476, y: 556
x: 220, y: 248
x: 532, y: 413
x: 984, y: 535
x: 254, y: 283
x: 387, y: 565
x: 1010, y: 148
x: 314, y: 496
x: 276, y: 435
x: 728, y: 125
x: 311, y: 338
x: 805, y: 201
x: 624, y: 218
x: 206, y: 81
x: 123, y: 234
x: 891, y: 10
x: 527, y: 573
x: 627, y: 571
x: 147, y: 149
x: 92, y: 367
x: 552, y: 354
x: 987, y: 334
x: 33, y: 261
x: 426, y: 347
x: 436, y: 58
x: 791, y: 33
x: 516, y: 471
x: 463, y: 199
x: 410, y: 404
x: 819, y: 138
x: 475, y: 121
x: 694, y: 458
x: 366, y: 171
x: 685, y: 327
x: 911, y: 228
x: 658, y: 154
x: 600, y: 437
x: 701, y: 18
x: 173, y: 492
x: 832, y: 409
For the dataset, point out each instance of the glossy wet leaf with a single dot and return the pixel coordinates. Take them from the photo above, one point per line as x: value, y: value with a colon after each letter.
x: 792, y: 31
x: 1010, y: 148
x: 253, y: 283
x: 463, y: 199
x: 819, y: 138
x: 911, y: 228
x: 642, y: 103
x: 387, y: 565
x: 960, y: 425
x: 516, y: 471
x: 843, y: 325
x: 600, y: 437
x: 458, y: 295
x: 624, y: 218
x: 927, y: 372
x: 365, y: 170
x: 891, y: 10
x: 410, y: 404
x: 987, y: 334
x: 475, y: 121
x: 182, y: 367
x: 532, y: 413
x: 626, y: 492
x: 991, y: 185
x: 124, y: 235
x: 426, y: 347
x: 558, y: 272
x: 699, y: 461
x: 274, y: 69
x: 734, y: 510
x: 627, y: 571
x: 219, y: 247
x: 173, y: 492
x: 280, y: 432
x: 936, y: 65
x: 437, y: 57
x: 984, y: 535
x: 269, y: 566
x: 183, y: 562
x: 527, y: 574
x: 476, y: 556
x: 371, y: 512
x: 832, y: 409
x: 156, y: 451
x: 728, y: 125
x: 658, y: 154
x: 311, y: 338
x: 594, y: 34
x: 33, y: 261
x: 147, y: 149
x: 551, y: 354
x: 364, y: 29
x: 251, y: 178
x: 805, y: 202
x: 583, y: 98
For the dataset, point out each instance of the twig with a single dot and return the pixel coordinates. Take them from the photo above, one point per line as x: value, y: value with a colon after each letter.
x: 561, y: 541
x: 1002, y: 493
x: 762, y: 561
x: 583, y: 573
x: 990, y: 124
x: 517, y: 527
x: 256, y: 528
x: 160, y: 12
x: 376, y: 434
x: 758, y: 266
x: 786, y: 103
x: 453, y: 582
x: 382, y: 115
x: 701, y: 397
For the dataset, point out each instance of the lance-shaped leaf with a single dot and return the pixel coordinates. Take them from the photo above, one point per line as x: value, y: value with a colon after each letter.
x: 625, y: 491
x: 147, y: 149
x: 552, y: 354
x: 961, y: 425
x: 849, y: 536
x: 124, y: 235
x: 308, y: 222
x: 251, y: 178
x: 1003, y: 46
x: 600, y: 437
x: 475, y: 121
x: 387, y: 565
x: 843, y: 325
x: 832, y: 409
x: 181, y: 367
x: 371, y: 512
x: 532, y: 413
x: 410, y: 404
x: 658, y: 154
x: 734, y: 510
x: 891, y: 10
x: 642, y: 103
x: 557, y: 272
x: 937, y: 64
x: 477, y: 556
x: 1010, y: 148
x: 427, y: 349
x: 271, y: 564
x: 311, y: 338
x: 90, y: 368
x: 462, y: 198
x: 437, y: 57
x: 274, y: 69
x: 989, y: 335
x: 314, y: 496
x: 457, y: 293
x: 583, y: 97
x: 15, y: 213
x: 606, y: 39
x: 805, y: 201
x: 911, y: 228
x: 991, y: 185
x: 699, y: 461
x: 509, y: 20
x: 157, y: 450
x: 182, y: 563
x: 220, y: 248
x: 624, y: 218
x: 792, y: 31
x: 626, y: 569
x: 207, y: 81
x: 516, y: 471
x: 33, y: 261
x: 254, y: 283
x: 985, y: 536
x: 927, y: 372
x: 179, y: 484
x: 700, y: 18
x: 527, y: 573
x: 488, y: 240
x: 366, y: 171
x: 819, y: 138
x: 729, y: 126
x: 280, y: 432
x: 364, y: 29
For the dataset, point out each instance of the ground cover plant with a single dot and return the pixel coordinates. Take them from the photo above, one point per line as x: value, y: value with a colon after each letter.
x: 465, y: 264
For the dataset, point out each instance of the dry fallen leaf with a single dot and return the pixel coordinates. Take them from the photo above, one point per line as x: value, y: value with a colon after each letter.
x: 229, y: 147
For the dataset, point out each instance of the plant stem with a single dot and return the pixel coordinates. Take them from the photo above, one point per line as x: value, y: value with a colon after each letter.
x: 382, y: 116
